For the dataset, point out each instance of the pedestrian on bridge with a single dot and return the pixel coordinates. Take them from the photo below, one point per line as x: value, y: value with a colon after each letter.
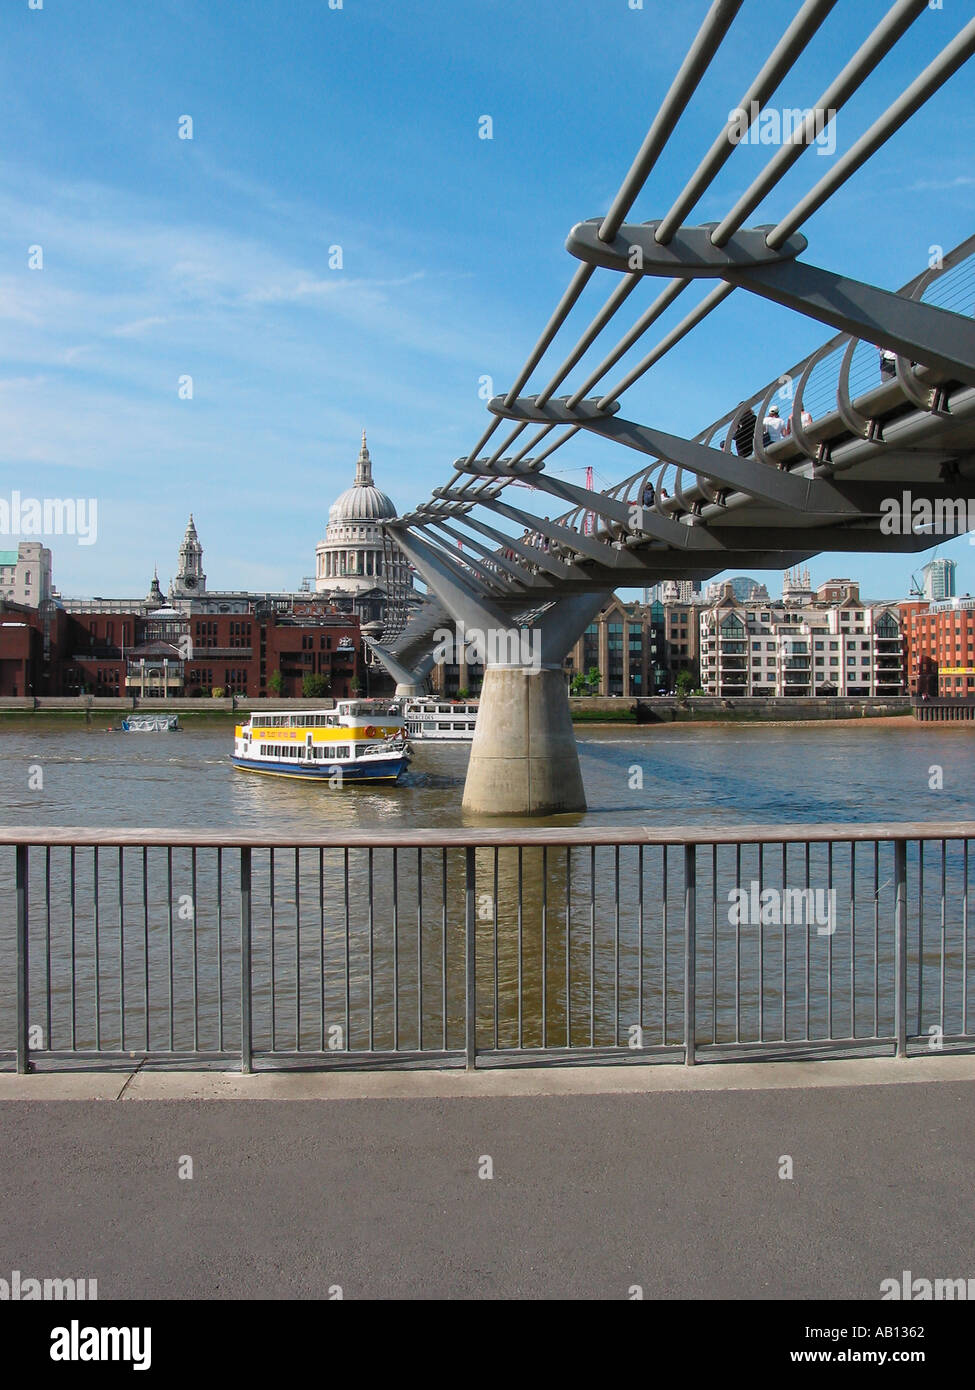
x: 745, y: 433
x: 774, y: 426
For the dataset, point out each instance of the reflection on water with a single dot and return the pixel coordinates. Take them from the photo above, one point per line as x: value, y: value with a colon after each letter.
x: 337, y: 966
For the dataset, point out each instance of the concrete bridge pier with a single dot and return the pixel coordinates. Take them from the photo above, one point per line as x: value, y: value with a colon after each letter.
x: 524, y: 759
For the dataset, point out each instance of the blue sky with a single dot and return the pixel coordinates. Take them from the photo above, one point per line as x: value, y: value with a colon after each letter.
x: 358, y: 127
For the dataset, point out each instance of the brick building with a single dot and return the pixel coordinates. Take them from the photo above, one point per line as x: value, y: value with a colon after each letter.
x: 170, y: 654
x: 941, y: 647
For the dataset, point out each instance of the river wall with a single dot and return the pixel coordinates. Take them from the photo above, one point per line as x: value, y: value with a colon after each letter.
x: 661, y: 709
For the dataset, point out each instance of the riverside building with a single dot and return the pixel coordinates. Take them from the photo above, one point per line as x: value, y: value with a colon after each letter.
x: 941, y: 647
x: 827, y: 642
x: 626, y: 644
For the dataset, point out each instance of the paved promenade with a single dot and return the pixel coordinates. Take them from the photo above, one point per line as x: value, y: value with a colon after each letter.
x: 662, y: 1177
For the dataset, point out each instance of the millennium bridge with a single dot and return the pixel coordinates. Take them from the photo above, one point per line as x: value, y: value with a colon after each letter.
x: 882, y: 413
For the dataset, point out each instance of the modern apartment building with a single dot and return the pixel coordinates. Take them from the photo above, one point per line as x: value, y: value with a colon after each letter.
x: 830, y: 642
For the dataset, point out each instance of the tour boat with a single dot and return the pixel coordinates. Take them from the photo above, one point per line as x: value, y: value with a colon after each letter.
x: 150, y: 724
x: 441, y: 720
x: 357, y: 741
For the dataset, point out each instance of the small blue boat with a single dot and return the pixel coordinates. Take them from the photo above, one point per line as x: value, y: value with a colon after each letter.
x: 150, y: 724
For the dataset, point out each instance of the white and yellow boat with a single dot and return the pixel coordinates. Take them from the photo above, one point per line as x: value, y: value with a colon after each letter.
x: 357, y: 741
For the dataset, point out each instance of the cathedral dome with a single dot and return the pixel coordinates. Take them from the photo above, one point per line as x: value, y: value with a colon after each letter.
x: 355, y: 558
x: 361, y: 504
x: 363, y: 501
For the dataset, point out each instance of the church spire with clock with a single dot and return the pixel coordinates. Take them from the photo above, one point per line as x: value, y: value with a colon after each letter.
x: 190, y: 579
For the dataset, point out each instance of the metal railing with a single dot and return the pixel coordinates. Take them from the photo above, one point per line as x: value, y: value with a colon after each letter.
x: 482, y: 947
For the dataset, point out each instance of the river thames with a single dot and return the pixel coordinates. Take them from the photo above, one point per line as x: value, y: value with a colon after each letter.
x: 366, y: 947
x: 695, y: 775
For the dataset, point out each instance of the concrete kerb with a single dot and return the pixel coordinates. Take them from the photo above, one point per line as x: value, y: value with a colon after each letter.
x: 140, y: 1084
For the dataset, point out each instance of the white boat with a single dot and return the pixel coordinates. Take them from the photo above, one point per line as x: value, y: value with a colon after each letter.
x: 442, y: 721
x: 357, y: 741
x: 150, y: 724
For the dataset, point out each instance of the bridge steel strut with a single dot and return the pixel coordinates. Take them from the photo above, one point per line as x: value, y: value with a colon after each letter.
x: 524, y: 759
x: 410, y: 679
x: 922, y: 332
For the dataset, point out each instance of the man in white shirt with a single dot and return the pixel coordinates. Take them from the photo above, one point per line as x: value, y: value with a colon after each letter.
x: 773, y: 425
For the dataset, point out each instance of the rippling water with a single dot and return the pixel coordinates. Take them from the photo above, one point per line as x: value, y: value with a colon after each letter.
x: 705, y: 775
x: 553, y: 967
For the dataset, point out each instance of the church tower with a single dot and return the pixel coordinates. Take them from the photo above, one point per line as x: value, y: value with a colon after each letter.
x: 190, y: 579
x: 155, y: 597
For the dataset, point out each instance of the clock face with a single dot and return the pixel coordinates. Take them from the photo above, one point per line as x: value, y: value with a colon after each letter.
x: 190, y: 582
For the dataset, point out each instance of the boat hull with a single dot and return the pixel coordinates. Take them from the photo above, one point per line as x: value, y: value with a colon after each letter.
x: 379, y: 770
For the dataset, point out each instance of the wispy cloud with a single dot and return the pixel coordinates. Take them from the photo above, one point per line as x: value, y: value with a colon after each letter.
x: 941, y: 185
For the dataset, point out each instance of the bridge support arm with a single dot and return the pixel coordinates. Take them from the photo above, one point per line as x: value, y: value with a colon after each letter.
x: 758, y: 480
x: 920, y: 332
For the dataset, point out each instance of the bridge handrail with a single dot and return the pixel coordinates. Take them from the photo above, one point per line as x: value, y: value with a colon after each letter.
x: 669, y: 474
x: 842, y: 832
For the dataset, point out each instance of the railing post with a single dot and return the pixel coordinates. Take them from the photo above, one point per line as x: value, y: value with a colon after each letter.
x: 900, y: 946
x: 690, y: 954
x: 470, y: 944
x: 23, y: 963
x: 246, y: 1042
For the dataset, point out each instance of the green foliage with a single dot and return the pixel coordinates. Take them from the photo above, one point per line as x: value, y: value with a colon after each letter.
x: 275, y: 683
x: 585, y: 684
x: 312, y: 685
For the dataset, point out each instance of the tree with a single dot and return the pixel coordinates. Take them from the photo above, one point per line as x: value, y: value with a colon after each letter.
x: 684, y: 683
x: 275, y: 683
x: 586, y: 684
x: 463, y: 693
x: 218, y: 692
x: 355, y: 685
x: 312, y: 685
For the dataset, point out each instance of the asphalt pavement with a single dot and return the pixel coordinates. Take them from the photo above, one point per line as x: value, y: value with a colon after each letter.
x: 584, y: 1186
